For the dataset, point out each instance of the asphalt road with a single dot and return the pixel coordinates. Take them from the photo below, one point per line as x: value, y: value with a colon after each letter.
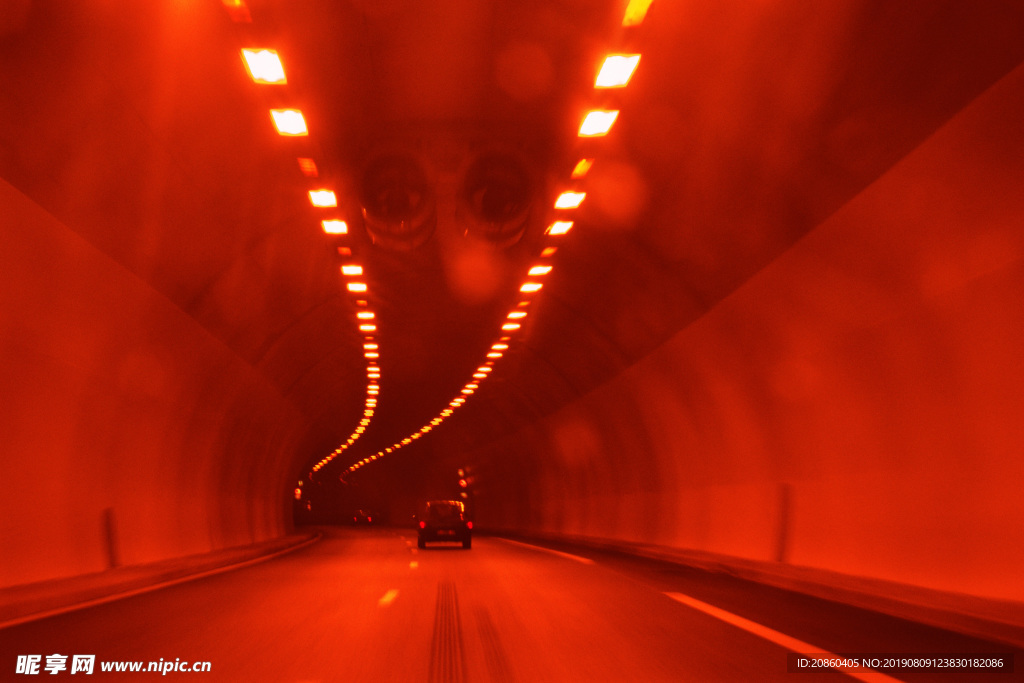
x: 366, y: 605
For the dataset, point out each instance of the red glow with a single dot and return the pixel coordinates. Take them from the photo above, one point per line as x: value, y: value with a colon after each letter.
x: 237, y: 10
x: 423, y: 525
x: 469, y: 525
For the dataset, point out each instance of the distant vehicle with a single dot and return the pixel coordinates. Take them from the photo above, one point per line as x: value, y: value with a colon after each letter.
x: 445, y: 520
x: 362, y: 517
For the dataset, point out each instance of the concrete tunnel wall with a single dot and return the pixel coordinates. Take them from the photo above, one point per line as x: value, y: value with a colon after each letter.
x: 857, y: 406
x: 120, y: 412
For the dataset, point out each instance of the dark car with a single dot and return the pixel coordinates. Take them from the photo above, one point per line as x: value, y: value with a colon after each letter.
x: 362, y: 517
x: 445, y: 520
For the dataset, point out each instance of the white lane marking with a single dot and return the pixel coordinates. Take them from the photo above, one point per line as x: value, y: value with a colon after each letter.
x: 583, y: 560
x: 788, y: 642
x: 388, y: 598
x: 413, y: 564
x: 156, y: 586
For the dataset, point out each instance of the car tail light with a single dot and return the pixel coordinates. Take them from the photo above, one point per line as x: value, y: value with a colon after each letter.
x: 423, y: 525
x: 369, y: 519
x: 469, y: 525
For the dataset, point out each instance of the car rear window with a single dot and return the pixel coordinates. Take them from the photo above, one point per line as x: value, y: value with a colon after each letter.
x: 443, y: 512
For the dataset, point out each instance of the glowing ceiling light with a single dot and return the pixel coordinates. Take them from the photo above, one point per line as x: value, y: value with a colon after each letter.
x: 264, y: 66
x: 516, y: 315
x: 499, y: 347
x: 459, y: 400
x: 351, y: 270
x: 530, y: 287
x: 365, y: 315
x: 616, y: 71
x: 472, y: 386
x: 479, y: 375
x: 539, y: 270
x: 335, y: 227
x: 494, y: 354
x: 598, y: 122
x: 308, y: 167
x: 373, y: 386
x: 511, y: 326
x: 548, y: 252
x: 467, y: 392
x: 356, y: 286
x: 636, y: 10
x: 446, y: 412
x: 569, y: 200
x: 559, y: 228
x: 484, y: 368
x: 367, y: 328
x: 370, y: 347
x: 324, y: 199
x: 289, y: 122
x: 371, y: 354
x: 581, y: 168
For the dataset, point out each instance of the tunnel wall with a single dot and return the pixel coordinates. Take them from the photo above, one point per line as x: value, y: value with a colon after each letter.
x: 129, y: 434
x: 857, y: 406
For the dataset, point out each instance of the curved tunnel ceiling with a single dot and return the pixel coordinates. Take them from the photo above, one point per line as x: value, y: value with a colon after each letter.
x: 745, y: 126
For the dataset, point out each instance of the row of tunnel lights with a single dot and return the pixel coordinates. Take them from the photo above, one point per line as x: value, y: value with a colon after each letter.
x: 265, y: 67
x: 615, y: 72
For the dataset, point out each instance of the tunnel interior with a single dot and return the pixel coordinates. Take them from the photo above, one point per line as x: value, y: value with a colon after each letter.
x: 785, y: 325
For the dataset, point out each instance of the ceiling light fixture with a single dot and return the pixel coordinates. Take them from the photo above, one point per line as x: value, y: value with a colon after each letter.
x: 616, y: 71
x: 263, y: 65
x: 597, y: 123
x: 289, y: 122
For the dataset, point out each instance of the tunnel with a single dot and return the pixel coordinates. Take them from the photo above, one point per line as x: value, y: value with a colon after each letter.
x: 709, y: 317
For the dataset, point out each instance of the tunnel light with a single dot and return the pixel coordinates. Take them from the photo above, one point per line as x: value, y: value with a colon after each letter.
x: 367, y: 328
x: 484, y: 368
x: 289, y: 122
x: 365, y: 315
x: 323, y: 199
x: 371, y: 354
x: 373, y: 386
x: 479, y: 375
x: 494, y: 354
x: 467, y: 392
x: 559, y: 228
x: 334, y: 227
x: 548, y: 252
x: 511, y: 326
x: 530, y: 287
x: 370, y: 347
x: 356, y: 286
x: 636, y: 10
x: 581, y: 168
x: 264, y: 65
x: 539, y: 270
x: 308, y: 167
x: 570, y: 200
x: 516, y: 315
x: 237, y: 10
x: 499, y: 347
x: 459, y: 400
x: 616, y: 71
x: 351, y: 270
x: 598, y: 122
x: 374, y: 375
x: 472, y: 386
